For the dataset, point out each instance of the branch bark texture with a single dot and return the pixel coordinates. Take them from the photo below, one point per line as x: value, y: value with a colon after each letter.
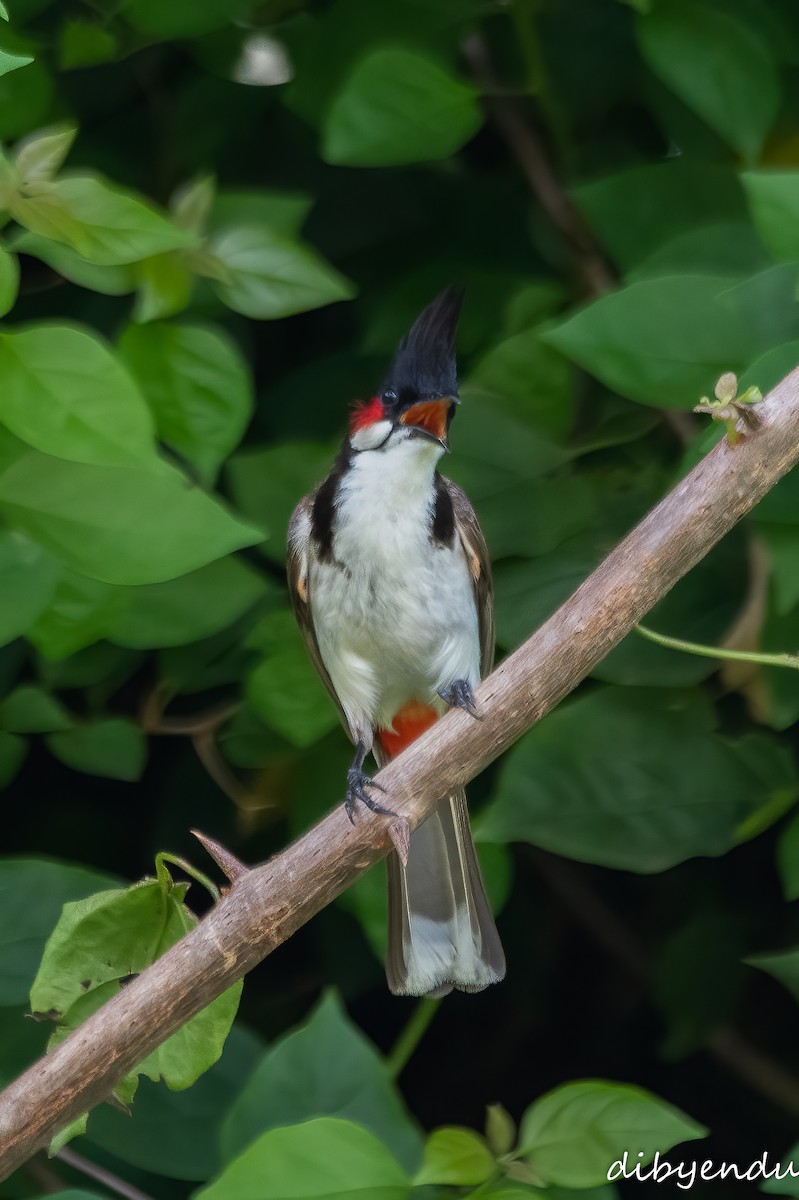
x: 268, y: 904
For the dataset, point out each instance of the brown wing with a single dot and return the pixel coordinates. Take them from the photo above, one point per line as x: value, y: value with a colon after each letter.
x: 476, y: 550
x: 298, y: 571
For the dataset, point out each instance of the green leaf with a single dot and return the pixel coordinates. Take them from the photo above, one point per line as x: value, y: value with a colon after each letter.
x: 783, y: 966
x: 504, y: 1191
x: 187, y: 609
x: 165, y: 284
x: 22, y: 1041
x: 9, y: 280
x: 39, y: 157
x: 530, y: 381
x: 32, y: 893
x: 177, y: 1133
x: 563, y: 507
x: 267, y: 275
x: 106, y: 937
x: 183, y: 18
x: 119, y: 525
x: 27, y: 582
x: 572, y: 1135
x: 718, y: 65
x: 197, y: 1045
x: 766, y: 303
x: 97, y: 666
x: 785, y: 1184
x: 66, y: 394
x: 782, y: 542
x: 197, y: 385
x: 99, y: 942
x: 493, y: 451
x: 282, y: 212
x: 76, y: 1194
x: 637, y: 211
x: 80, y: 613
x: 529, y: 592
x: 284, y: 688
x: 323, y: 1159
x: 774, y: 203
x: 12, y: 62
x: 293, y: 1082
x: 13, y: 750
x: 780, y: 697
x: 110, y: 281
x: 398, y: 107
x: 32, y: 710
x: 114, y: 749
x: 788, y: 859
x: 660, y: 342
x: 706, y: 601
x: 725, y: 247
x: 65, y: 1135
x: 456, y: 1157
x: 267, y: 483
x: 26, y: 97
x: 500, y: 1129
x: 191, y: 204
x: 698, y: 977
x: 653, y: 784
x: 105, y: 224
x: 84, y: 44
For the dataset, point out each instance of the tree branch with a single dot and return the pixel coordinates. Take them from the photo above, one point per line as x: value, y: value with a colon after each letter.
x: 268, y: 904
x: 528, y: 150
x: 534, y: 163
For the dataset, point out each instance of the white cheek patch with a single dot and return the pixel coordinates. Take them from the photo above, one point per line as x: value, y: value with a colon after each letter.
x: 371, y: 436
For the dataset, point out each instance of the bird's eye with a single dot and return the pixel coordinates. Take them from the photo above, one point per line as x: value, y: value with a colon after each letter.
x: 390, y: 395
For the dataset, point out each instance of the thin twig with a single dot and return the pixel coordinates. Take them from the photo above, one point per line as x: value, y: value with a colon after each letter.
x: 43, y: 1175
x: 206, y: 749
x: 526, y: 146
x: 202, y: 728
x: 533, y: 161
x: 749, y: 656
x: 100, y: 1175
x: 269, y: 903
x: 153, y: 719
x: 411, y: 1035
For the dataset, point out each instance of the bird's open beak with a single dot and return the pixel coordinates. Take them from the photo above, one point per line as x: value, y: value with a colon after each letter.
x: 430, y: 418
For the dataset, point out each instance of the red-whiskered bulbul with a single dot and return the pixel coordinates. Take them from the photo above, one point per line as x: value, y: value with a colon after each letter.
x: 390, y: 579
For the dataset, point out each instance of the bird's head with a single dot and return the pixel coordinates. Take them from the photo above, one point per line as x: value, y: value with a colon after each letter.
x: 417, y: 399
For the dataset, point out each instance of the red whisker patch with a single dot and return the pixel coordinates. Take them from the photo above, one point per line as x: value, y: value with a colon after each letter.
x: 366, y: 413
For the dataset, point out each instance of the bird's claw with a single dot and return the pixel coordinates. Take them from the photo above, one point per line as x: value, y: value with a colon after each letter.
x: 357, y: 784
x: 460, y: 695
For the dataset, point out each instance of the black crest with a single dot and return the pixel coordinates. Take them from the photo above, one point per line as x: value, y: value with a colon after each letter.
x: 424, y: 366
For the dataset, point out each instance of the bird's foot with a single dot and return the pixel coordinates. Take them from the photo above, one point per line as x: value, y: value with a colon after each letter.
x: 460, y: 695
x: 358, y: 783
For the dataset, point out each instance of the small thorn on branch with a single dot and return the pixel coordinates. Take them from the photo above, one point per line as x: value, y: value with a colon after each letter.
x: 120, y: 1105
x: 399, y: 830
x: 231, y: 866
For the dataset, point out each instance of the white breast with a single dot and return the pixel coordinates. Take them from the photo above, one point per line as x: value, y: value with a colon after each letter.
x: 394, y: 614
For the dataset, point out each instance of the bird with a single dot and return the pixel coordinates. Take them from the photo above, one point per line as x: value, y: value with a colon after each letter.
x: 390, y: 580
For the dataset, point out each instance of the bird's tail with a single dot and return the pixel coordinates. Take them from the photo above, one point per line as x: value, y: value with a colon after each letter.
x: 441, y: 934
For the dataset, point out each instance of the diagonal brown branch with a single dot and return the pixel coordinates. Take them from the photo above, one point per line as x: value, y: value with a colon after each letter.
x: 268, y: 904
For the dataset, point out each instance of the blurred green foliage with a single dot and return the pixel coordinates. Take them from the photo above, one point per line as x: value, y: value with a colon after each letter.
x: 217, y: 219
